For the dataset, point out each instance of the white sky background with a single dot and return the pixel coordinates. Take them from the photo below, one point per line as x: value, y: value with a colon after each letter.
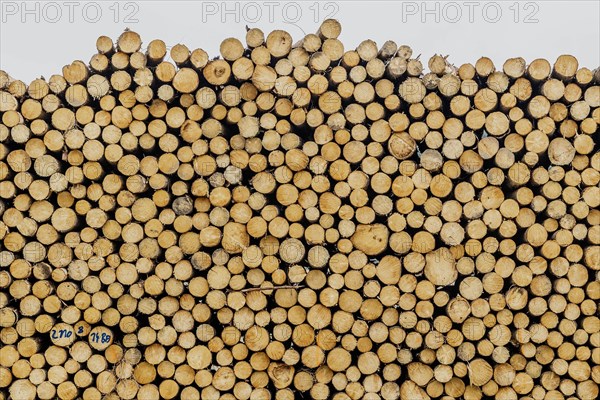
x: 38, y: 38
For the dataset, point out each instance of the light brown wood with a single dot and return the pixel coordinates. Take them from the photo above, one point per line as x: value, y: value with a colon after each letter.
x: 299, y: 219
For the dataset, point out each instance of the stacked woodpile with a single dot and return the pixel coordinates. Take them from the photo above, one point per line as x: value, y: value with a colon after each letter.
x: 299, y: 220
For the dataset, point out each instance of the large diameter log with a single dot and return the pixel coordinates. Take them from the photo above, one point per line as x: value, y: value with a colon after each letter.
x: 371, y: 239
